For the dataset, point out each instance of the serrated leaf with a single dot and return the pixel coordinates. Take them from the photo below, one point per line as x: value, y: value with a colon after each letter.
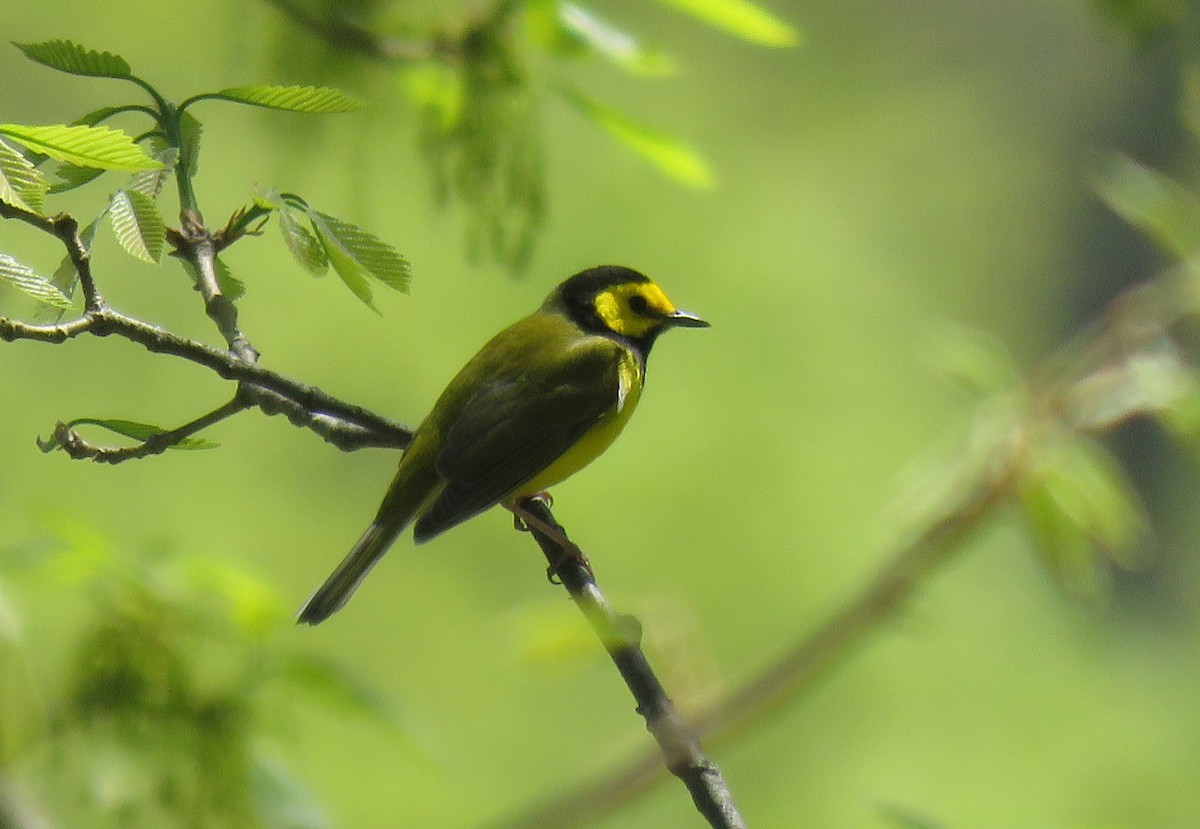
x: 138, y: 225
x: 304, y: 246
x: 741, y: 18
x: 139, y: 431
x: 1160, y: 207
x: 668, y: 153
x: 150, y: 182
x: 191, y: 131
x: 71, y: 177
x: 314, y: 99
x: 25, y: 280
x: 376, y: 256
x: 67, y: 56
x: 81, y: 145
x: 230, y: 285
x: 607, y: 40
x: 344, y: 264
x: 21, y: 184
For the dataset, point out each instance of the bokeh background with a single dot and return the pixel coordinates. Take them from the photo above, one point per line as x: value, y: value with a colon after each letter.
x: 913, y: 170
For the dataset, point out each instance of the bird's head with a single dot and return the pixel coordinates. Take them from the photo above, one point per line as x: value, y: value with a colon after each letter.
x: 613, y: 300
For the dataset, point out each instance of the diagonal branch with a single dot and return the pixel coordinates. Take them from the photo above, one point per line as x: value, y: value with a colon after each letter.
x: 621, y: 636
x: 302, y: 403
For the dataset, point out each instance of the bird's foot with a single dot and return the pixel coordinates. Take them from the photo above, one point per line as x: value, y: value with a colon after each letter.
x: 524, y: 521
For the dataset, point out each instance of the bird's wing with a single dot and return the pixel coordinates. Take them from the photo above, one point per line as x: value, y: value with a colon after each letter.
x: 515, y: 425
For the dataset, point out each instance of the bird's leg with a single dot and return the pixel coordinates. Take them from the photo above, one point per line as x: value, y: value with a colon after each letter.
x: 524, y: 521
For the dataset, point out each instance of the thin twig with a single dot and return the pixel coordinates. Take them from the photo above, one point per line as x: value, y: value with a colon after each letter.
x: 80, y: 448
x: 314, y: 402
x: 621, y: 635
x: 195, y: 245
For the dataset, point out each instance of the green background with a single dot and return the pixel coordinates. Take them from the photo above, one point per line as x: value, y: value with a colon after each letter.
x: 914, y: 168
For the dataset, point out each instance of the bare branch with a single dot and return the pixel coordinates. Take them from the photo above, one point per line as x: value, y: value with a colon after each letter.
x: 621, y: 636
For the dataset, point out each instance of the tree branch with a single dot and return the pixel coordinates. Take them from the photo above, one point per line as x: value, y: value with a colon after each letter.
x: 1091, y: 384
x: 344, y: 425
x: 621, y: 637
x: 77, y: 447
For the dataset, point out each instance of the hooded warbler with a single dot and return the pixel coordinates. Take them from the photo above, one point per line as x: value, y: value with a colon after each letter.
x: 540, y: 401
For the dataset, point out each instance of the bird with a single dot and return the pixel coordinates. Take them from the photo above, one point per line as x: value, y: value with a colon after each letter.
x: 540, y: 401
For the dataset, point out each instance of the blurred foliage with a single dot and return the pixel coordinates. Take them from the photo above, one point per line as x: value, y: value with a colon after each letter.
x: 478, y: 87
x: 176, y: 698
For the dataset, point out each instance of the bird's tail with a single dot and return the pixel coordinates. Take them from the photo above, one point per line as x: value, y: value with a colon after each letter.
x: 343, y: 581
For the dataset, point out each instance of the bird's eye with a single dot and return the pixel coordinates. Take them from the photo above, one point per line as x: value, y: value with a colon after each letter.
x: 638, y: 304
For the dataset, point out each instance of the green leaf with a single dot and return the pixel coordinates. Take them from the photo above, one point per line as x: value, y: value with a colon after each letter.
x: 69, y: 57
x: 94, y: 117
x: 305, y: 247
x: 25, y: 280
x: 138, y: 224
x: 317, y: 99
x: 1160, y: 207
x: 666, y: 152
x: 83, y: 146
x: 380, y: 259
x: 619, y: 46
x: 140, y: 431
x: 741, y: 18
x: 230, y: 285
x: 191, y: 131
x: 350, y: 271
x: 1081, y: 508
x: 71, y: 177
x: 21, y: 184
x: 150, y: 182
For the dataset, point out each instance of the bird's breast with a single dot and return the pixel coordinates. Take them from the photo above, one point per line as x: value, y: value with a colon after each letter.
x: 601, y: 435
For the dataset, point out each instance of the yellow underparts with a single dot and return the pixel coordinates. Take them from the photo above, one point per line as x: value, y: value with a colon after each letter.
x: 598, y: 438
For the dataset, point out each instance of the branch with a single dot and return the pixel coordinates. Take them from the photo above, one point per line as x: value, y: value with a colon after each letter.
x: 316, y: 408
x: 79, y: 448
x: 1095, y: 382
x: 621, y: 636
x: 195, y: 245
x: 930, y: 546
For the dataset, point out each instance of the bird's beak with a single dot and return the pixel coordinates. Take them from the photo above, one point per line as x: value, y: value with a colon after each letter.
x: 683, y: 319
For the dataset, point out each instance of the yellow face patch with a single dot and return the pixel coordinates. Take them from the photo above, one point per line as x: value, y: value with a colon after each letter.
x: 633, y: 309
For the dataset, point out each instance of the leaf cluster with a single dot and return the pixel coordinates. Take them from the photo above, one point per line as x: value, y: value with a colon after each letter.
x: 168, y: 150
x: 479, y: 89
